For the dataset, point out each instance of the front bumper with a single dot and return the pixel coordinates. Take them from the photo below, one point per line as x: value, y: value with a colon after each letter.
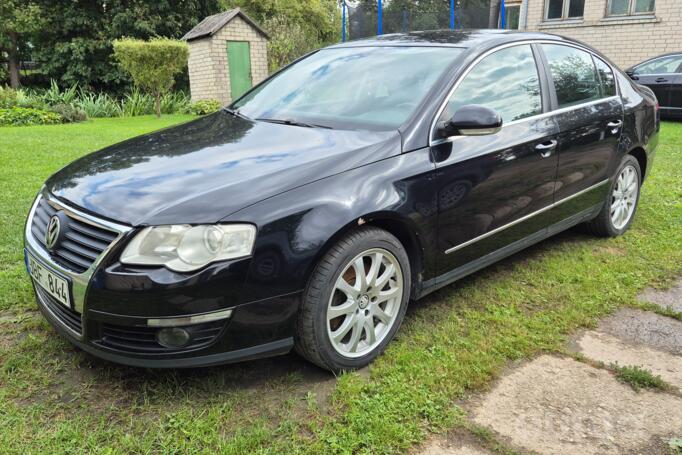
x: 117, y: 311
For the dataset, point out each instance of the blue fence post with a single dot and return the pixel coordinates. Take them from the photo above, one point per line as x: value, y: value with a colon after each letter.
x: 503, y: 15
x: 343, y: 21
x: 380, y: 25
x: 452, y: 13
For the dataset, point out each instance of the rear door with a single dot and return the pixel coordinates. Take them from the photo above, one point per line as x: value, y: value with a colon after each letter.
x: 590, y: 120
x: 659, y: 75
x: 490, y: 188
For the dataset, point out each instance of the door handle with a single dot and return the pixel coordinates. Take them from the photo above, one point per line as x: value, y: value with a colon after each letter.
x: 546, y: 148
x: 614, y: 126
x: 661, y: 79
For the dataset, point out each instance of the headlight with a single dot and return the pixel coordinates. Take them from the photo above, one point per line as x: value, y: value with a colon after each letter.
x: 184, y: 248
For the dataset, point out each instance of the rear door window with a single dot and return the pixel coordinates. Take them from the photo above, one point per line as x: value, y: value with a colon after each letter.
x: 608, y: 82
x: 663, y: 65
x: 573, y: 73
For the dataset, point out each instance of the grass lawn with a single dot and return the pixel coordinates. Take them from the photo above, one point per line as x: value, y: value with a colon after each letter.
x: 58, y: 400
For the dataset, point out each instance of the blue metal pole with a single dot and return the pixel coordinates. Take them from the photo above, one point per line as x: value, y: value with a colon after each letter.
x: 380, y: 25
x: 343, y: 22
x: 452, y: 13
x: 503, y: 15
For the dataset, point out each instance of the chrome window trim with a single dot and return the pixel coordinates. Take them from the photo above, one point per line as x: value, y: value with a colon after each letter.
x: 79, y: 281
x: 524, y: 218
x: 433, y: 142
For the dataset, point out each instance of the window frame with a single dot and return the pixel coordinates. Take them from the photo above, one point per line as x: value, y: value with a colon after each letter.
x: 549, y: 101
x: 565, y: 6
x: 631, y: 10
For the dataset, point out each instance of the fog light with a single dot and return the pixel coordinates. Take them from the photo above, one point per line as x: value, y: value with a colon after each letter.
x: 173, y: 337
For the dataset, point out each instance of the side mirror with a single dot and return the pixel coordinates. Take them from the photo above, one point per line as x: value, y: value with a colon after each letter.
x: 631, y: 74
x: 471, y: 120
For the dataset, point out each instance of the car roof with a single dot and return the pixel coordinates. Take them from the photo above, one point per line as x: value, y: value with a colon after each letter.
x: 461, y: 38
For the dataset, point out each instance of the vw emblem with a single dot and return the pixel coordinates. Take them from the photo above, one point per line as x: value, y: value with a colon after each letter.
x: 52, y: 233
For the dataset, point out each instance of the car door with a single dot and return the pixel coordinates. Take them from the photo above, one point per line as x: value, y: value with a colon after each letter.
x: 490, y: 186
x: 659, y: 75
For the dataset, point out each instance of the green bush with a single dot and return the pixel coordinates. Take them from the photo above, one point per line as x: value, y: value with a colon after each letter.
x: 175, y: 103
x: 203, y: 107
x: 21, y: 116
x: 8, y: 97
x: 137, y: 103
x: 152, y: 64
x: 69, y: 113
x: 97, y: 105
x: 31, y: 99
x: 54, y: 95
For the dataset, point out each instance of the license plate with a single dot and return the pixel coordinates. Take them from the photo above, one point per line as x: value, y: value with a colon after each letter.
x: 52, y: 283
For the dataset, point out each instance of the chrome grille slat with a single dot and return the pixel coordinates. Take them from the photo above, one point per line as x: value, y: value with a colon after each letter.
x: 83, y: 243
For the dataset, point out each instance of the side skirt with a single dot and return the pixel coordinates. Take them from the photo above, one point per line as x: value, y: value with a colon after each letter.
x: 450, y: 277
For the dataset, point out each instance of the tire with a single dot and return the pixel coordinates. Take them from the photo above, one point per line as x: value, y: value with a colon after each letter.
x: 606, y: 223
x: 329, y: 307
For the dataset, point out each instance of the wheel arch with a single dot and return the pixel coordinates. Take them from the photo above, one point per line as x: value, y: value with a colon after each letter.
x: 395, y: 225
x: 641, y: 157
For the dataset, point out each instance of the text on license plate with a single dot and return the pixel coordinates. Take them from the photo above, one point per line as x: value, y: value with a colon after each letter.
x: 56, y: 286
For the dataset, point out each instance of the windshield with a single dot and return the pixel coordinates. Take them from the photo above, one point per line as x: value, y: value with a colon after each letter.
x: 361, y: 87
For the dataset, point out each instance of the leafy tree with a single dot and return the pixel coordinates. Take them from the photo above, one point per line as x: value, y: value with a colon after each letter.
x: 295, y: 26
x: 20, y: 18
x: 152, y: 64
x: 75, y: 45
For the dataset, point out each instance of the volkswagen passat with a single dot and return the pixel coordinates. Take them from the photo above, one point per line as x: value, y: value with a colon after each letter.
x: 311, y: 211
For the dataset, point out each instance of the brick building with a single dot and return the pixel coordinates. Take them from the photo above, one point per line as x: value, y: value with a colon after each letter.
x: 626, y: 31
x: 227, y: 56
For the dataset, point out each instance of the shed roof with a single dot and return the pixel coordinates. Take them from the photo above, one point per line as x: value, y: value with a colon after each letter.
x: 211, y: 24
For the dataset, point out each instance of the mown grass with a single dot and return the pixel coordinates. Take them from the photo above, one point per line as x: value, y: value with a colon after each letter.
x: 53, y: 399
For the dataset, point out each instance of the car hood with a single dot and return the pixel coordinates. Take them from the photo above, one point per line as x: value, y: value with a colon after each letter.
x: 207, y: 169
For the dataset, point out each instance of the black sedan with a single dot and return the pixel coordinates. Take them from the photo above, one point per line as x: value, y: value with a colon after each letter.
x: 309, y: 213
x: 663, y: 75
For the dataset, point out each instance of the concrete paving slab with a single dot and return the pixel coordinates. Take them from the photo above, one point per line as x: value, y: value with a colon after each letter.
x: 557, y: 405
x: 608, y: 349
x: 671, y: 298
x: 441, y: 446
x: 646, y: 329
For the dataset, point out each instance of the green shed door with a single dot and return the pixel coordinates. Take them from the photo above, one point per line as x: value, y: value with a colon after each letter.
x: 239, y: 64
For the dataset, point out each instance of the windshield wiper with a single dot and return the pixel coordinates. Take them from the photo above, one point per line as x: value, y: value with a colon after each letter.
x: 235, y: 112
x: 293, y: 123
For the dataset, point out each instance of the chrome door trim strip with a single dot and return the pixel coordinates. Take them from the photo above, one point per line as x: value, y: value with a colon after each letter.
x: 524, y: 218
x: 434, y: 142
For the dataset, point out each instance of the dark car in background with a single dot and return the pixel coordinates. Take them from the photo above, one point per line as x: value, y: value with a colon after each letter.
x: 311, y: 211
x: 663, y: 75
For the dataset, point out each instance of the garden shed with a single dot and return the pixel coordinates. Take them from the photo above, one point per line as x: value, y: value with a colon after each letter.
x: 227, y: 56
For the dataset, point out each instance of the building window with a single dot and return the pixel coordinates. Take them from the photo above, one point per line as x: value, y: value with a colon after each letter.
x: 630, y: 7
x: 512, y: 14
x: 564, y: 9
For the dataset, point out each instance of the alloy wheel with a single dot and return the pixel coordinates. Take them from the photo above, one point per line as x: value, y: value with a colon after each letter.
x: 624, y: 197
x: 364, y: 303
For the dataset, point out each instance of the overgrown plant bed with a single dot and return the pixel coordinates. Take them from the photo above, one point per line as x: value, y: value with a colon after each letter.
x: 58, y: 400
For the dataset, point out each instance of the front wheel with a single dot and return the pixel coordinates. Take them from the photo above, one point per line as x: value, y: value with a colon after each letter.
x: 621, y: 204
x: 355, y: 301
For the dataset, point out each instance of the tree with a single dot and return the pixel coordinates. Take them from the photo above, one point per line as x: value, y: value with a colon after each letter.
x: 152, y: 64
x: 295, y: 26
x: 20, y: 18
x: 75, y: 45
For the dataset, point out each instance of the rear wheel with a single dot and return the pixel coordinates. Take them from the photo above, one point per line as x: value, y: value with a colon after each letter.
x: 621, y: 204
x: 355, y: 301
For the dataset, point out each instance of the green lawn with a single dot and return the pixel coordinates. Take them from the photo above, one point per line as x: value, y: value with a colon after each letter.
x: 55, y: 399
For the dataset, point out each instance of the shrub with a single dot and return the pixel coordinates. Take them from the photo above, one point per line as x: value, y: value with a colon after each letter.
x: 69, y: 113
x: 175, y: 103
x: 288, y: 41
x: 99, y: 105
x: 21, y: 116
x: 31, y: 99
x: 137, y: 103
x: 8, y: 97
x: 152, y: 64
x: 203, y: 107
x: 54, y: 95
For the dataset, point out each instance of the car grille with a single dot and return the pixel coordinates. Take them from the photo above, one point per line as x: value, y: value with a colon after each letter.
x: 66, y: 316
x: 143, y: 339
x: 82, y: 244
